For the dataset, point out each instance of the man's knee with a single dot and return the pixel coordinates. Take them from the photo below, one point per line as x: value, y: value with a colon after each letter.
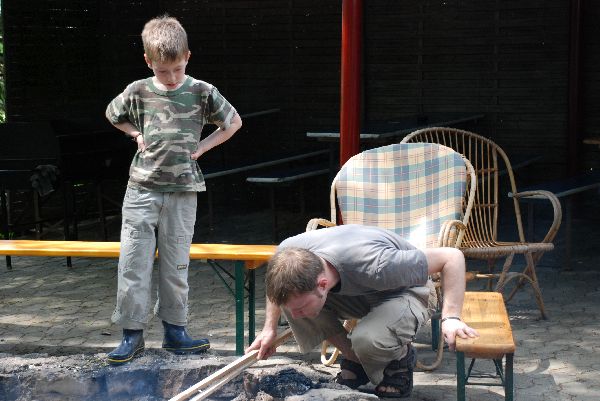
x: 366, y: 341
x: 384, y: 336
x: 362, y: 341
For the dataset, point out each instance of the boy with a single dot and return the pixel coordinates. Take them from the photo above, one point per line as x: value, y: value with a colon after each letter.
x: 164, y: 115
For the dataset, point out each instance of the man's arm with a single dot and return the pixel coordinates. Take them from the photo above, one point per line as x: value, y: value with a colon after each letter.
x: 218, y: 137
x: 268, y: 334
x: 450, y: 262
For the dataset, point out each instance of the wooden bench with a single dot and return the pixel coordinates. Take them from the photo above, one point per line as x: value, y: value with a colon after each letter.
x: 245, y: 257
x: 211, y: 173
x: 277, y: 178
x: 485, y: 312
x: 563, y: 189
x: 595, y: 140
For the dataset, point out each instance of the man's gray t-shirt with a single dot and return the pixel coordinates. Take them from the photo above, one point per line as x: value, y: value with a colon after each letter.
x: 368, y: 259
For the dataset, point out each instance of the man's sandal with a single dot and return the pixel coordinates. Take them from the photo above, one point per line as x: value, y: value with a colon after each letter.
x: 398, y: 375
x: 357, y: 369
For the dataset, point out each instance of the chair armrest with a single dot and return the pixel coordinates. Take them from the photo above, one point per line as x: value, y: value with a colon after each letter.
x: 451, y: 233
x: 554, y: 201
x: 315, y: 223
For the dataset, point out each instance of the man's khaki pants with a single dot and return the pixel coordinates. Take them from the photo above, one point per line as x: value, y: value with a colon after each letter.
x: 388, y: 322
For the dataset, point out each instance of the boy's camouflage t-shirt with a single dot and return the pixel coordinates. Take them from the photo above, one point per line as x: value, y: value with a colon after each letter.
x: 171, y: 123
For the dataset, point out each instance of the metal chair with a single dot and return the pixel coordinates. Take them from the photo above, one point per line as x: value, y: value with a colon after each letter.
x: 481, y: 239
x: 423, y: 192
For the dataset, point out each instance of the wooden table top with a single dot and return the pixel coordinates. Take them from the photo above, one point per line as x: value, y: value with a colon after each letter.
x: 253, y: 253
x: 595, y: 140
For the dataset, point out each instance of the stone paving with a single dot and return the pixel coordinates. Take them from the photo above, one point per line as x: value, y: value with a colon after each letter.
x: 48, y: 308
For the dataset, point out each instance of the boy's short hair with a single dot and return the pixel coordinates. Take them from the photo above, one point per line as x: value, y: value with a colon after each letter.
x: 291, y: 271
x: 164, y: 39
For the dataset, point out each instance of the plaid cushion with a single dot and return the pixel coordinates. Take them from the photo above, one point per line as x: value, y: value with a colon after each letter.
x: 408, y: 188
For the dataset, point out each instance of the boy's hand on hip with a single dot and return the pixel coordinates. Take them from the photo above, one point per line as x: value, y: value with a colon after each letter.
x: 196, y: 155
x: 140, y: 143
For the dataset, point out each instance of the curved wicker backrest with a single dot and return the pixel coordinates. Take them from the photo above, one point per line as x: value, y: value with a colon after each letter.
x: 488, y: 159
x: 412, y: 189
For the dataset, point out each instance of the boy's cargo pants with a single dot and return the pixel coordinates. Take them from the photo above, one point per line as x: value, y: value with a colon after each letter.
x: 154, y: 220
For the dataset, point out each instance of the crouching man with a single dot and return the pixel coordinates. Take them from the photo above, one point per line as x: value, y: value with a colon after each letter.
x: 321, y: 277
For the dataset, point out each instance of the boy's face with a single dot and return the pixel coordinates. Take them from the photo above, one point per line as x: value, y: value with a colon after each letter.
x: 171, y: 74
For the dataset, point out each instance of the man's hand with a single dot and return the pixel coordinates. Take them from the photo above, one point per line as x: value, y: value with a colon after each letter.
x: 454, y: 327
x: 263, y: 344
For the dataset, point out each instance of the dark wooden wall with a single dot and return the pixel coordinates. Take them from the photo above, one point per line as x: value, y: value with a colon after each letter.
x: 507, y: 59
x: 590, y: 82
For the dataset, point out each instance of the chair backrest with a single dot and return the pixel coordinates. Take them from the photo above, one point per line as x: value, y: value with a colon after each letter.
x: 490, y: 163
x: 412, y: 189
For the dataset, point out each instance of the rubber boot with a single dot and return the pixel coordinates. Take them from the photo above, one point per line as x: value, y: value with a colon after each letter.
x: 131, y: 346
x: 178, y: 341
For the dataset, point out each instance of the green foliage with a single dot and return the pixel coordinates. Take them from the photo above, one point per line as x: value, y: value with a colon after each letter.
x: 11, y: 235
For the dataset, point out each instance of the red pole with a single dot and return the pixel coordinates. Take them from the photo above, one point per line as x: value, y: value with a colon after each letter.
x: 350, y: 79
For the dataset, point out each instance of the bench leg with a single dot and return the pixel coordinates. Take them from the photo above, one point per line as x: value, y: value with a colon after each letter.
x: 68, y: 212
x: 239, y: 307
x: 461, y: 378
x: 508, y: 378
x: 568, y: 222
x: 210, y: 211
x: 251, y: 305
x: 37, y: 215
x: 101, y: 214
x: 5, y: 227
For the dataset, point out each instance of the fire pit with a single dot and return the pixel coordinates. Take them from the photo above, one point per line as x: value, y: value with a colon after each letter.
x: 158, y: 376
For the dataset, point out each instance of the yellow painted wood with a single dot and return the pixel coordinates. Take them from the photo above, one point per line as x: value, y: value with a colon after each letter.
x: 254, y: 255
x: 595, y: 140
x: 485, y: 312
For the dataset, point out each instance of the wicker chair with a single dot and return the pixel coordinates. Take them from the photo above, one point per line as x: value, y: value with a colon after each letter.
x: 424, y: 192
x: 481, y: 239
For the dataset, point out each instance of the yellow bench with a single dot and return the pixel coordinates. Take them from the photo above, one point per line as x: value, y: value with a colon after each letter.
x: 485, y: 312
x: 244, y: 256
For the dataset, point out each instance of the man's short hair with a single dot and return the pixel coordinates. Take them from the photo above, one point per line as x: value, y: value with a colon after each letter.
x: 164, y: 39
x: 291, y: 271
